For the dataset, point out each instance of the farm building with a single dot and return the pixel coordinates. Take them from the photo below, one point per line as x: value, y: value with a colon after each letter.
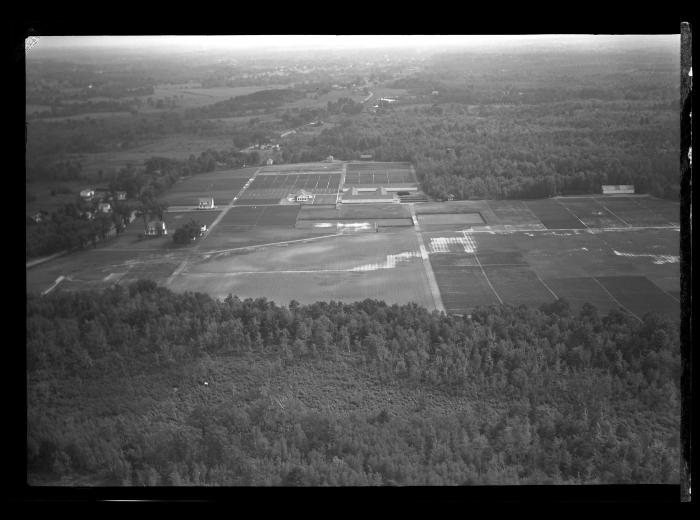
x: 329, y: 159
x: 450, y: 197
x: 300, y: 196
x: 269, y: 161
x: 617, y: 189
x: 365, y: 196
x: 366, y: 156
x: 87, y: 194
x: 206, y: 203
x: 120, y: 195
x: 104, y: 207
x: 155, y: 228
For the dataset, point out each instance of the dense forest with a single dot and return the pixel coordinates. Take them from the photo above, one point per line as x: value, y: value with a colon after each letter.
x: 125, y: 387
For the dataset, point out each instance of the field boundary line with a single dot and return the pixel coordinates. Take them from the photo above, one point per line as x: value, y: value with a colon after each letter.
x: 611, y: 212
x: 669, y: 294
x: 636, y: 200
x: 211, y: 226
x: 269, y: 244
x: 572, y: 214
x: 53, y: 285
x: 487, y: 278
x: 615, y: 299
x: 432, y: 281
x: 545, y: 285
x: 532, y: 213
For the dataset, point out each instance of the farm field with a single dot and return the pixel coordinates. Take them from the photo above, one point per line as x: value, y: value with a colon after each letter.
x: 271, y: 188
x: 554, y: 215
x: 398, y: 175
x: 322, y: 167
x: 609, y: 251
x: 222, y: 185
x: 447, y: 219
x: 196, y: 96
x: 356, y: 211
x: 383, y: 266
x: 179, y: 146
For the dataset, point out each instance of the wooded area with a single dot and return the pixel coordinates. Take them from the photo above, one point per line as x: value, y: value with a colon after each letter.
x: 569, y: 398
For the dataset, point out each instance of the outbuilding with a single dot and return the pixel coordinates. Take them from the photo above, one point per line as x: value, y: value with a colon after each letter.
x: 206, y: 203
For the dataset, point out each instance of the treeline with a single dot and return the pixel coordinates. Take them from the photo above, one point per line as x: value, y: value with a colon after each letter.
x: 258, y: 102
x: 71, y: 109
x: 571, y: 385
x: 518, y: 151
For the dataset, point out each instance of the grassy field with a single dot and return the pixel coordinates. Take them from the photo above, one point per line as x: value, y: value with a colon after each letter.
x: 318, y: 167
x: 610, y: 251
x: 222, y: 185
x: 189, y: 96
x: 449, y: 219
x: 383, y: 266
x: 356, y: 211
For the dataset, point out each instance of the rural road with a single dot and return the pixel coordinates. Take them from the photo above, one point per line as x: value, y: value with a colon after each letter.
x: 432, y: 282
x: 221, y: 215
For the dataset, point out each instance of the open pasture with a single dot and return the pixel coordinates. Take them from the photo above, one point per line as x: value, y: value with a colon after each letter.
x: 666, y: 209
x: 517, y: 285
x: 310, y: 287
x: 368, y: 166
x: 399, y: 178
x: 463, y: 289
x: 346, y: 268
x: 193, y: 96
x: 554, y: 215
x: 640, y: 295
x: 176, y: 219
x: 635, y: 213
x: 356, y: 211
x: 274, y: 188
x: 223, y: 186
x: 523, y: 267
x: 372, y: 251
x: 301, y: 168
x: 447, y: 220
x: 581, y: 290
x: 592, y: 213
x: 513, y: 213
x: 260, y: 216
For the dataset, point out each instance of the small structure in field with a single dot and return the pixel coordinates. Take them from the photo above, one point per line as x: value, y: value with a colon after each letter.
x: 269, y: 161
x: 618, y: 189
x: 155, y: 228
x: 366, y: 156
x: 300, y: 196
x: 120, y: 195
x: 450, y: 197
x: 365, y: 196
x: 206, y: 203
x: 104, y: 207
x: 329, y: 159
x: 87, y: 194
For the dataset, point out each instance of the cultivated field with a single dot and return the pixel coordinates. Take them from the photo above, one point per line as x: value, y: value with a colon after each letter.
x: 578, y: 250
x: 370, y: 174
x: 384, y: 266
x: 614, y: 252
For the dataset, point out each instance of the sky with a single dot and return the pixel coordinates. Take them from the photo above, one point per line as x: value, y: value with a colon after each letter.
x: 291, y: 42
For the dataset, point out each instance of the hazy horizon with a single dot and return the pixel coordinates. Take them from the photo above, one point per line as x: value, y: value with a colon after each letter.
x: 286, y: 43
